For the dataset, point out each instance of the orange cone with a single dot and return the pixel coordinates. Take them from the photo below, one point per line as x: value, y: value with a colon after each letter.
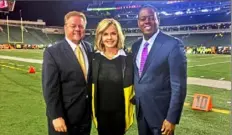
x: 31, y: 70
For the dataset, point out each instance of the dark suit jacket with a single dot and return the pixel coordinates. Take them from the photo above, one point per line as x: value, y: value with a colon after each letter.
x: 65, y: 90
x: 161, y: 90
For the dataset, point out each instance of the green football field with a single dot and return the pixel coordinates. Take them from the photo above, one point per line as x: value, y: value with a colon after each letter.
x: 22, y: 107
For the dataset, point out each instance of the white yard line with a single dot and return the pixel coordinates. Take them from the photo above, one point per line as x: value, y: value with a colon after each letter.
x: 210, y: 83
x: 202, y: 65
x: 21, y: 59
x: 20, y: 65
x: 215, y: 57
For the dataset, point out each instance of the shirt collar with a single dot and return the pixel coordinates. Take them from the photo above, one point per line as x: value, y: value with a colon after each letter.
x: 73, y: 45
x: 152, y: 39
x: 120, y: 52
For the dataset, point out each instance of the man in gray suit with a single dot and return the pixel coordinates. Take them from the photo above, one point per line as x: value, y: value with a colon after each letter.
x: 65, y: 80
x: 159, y: 77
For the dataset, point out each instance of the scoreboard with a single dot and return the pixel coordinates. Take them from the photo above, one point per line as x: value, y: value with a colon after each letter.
x: 7, y: 5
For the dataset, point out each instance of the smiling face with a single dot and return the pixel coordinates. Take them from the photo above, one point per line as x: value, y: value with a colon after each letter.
x: 75, y: 28
x: 110, y: 37
x: 148, y: 22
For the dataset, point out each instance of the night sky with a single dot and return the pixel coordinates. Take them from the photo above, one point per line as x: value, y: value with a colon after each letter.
x: 52, y: 12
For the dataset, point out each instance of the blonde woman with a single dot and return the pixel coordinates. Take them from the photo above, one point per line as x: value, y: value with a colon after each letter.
x: 112, y: 72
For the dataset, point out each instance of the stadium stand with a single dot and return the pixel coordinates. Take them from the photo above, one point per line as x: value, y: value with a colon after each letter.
x: 205, y: 39
x: 3, y: 36
x: 197, y: 24
x: 191, y: 35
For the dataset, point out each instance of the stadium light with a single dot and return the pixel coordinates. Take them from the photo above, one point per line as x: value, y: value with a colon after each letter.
x: 217, y: 9
x: 3, y: 4
x: 165, y: 13
x: 204, y: 10
x: 179, y: 13
x: 190, y: 12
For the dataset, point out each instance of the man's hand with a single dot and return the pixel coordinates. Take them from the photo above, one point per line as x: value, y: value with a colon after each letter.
x: 167, y: 128
x: 59, y: 125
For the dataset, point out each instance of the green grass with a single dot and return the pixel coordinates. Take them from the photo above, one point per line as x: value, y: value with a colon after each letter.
x: 30, y: 53
x: 22, y: 108
x: 215, y: 70
x: 203, y: 123
x: 18, y: 64
x: 21, y: 103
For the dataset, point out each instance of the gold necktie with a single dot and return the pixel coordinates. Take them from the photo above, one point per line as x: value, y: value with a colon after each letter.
x: 81, y: 60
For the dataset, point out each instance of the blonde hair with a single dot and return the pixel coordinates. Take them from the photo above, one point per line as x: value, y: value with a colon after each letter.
x: 75, y: 13
x: 102, y: 26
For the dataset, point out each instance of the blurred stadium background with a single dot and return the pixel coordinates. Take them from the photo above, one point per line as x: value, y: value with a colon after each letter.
x: 27, y: 28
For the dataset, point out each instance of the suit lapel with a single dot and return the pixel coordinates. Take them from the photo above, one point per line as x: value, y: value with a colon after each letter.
x: 71, y: 56
x: 85, y: 48
x: 136, y: 50
x: 153, y: 52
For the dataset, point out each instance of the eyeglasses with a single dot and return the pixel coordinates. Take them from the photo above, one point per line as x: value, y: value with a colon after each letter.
x: 75, y: 26
x: 144, y: 18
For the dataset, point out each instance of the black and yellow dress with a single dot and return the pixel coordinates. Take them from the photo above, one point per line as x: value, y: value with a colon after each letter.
x: 112, y: 92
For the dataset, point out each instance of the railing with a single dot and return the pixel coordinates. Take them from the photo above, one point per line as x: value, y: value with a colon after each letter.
x: 173, y: 30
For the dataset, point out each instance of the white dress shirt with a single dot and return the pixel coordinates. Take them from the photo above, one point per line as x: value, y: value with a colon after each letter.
x: 120, y: 52
x: 73, y: 46
x: 150, y: 41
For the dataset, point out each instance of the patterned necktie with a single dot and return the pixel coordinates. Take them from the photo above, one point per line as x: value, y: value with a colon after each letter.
x: 81, y: 60
x: 143, y: 57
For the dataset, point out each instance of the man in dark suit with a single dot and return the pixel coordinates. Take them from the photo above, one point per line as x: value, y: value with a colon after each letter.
x: 160, y: 77
x: 65, y: 80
